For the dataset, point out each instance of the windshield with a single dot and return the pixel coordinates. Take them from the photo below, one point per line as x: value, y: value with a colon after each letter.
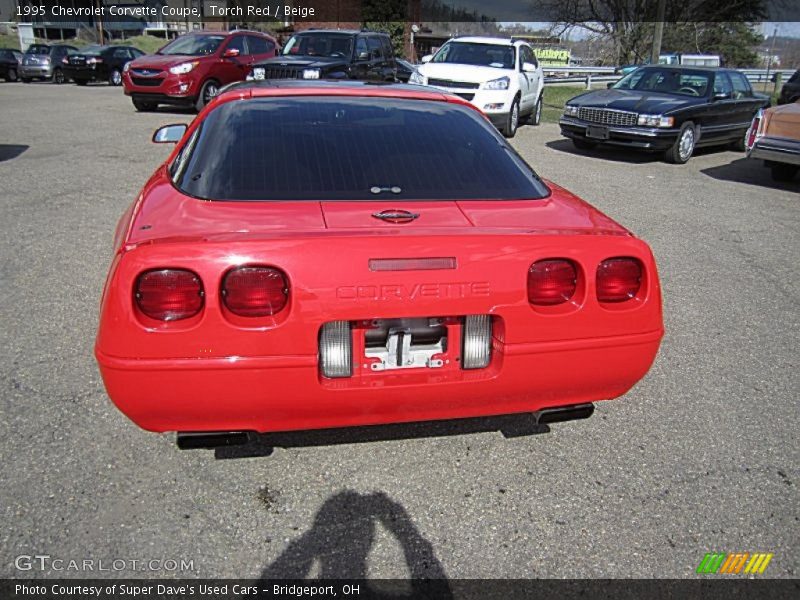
x: 193, y: 45
x: 334, y: 148
x: 470, y: 53
x: 319, y: 44
x: 38, y: 49
x: 91, y: 50
x: 666, y: 81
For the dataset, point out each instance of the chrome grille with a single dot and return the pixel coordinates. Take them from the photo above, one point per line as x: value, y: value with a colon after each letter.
x: 607, y: 116
x: 453, y: 84
x: 280, y: 72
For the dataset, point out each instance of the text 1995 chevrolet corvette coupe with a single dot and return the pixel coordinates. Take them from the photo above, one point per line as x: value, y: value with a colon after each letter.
x: 318, y: 255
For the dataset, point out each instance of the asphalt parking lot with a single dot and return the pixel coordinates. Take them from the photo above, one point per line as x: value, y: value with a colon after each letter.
x: 701, y: 456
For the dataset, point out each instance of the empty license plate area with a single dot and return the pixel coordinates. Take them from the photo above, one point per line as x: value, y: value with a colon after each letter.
x: 597, y: 132
x: 411, y: 343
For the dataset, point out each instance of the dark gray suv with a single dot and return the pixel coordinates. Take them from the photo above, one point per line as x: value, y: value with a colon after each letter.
x: 332, y: 54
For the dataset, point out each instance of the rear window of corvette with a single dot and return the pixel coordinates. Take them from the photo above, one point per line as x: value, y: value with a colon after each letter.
x: 335, y: 148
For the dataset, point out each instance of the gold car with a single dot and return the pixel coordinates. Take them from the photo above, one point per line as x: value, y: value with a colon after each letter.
x: 774, y: 137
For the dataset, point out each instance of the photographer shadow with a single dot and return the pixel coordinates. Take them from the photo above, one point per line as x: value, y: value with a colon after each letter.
x: 340, y: 539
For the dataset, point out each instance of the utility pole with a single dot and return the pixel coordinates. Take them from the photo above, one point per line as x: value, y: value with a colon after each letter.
x: 658, y: 33
x: 771, y: 54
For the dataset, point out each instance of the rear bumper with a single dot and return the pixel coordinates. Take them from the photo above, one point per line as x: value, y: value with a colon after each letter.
x: 776, y: 150
x: 640, y: 138
x: 80, y: 73
x: 284, y: 393
x: 36, y: 71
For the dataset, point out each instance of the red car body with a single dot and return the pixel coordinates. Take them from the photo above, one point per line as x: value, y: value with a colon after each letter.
x: 219, y: 372
x: 149, y: 81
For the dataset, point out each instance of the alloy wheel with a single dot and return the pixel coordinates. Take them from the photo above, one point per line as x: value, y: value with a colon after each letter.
x: 687, y: 144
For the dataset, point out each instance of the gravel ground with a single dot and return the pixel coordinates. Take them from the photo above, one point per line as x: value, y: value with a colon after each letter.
x: 702, y: 455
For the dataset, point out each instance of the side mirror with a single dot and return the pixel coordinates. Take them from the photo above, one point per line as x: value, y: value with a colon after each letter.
x: 231, y: 53
x: 363, y: 56
x: 169, y: 134
x: 529, y: 67
x: 610, y: 84
x: 427, y: 58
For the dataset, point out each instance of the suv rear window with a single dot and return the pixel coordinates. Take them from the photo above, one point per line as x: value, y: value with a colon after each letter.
x: 332, y: 148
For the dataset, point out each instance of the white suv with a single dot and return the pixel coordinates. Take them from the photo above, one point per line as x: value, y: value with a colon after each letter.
x: 500, y: 76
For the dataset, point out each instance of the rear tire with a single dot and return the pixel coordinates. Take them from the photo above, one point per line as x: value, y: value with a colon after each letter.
x: 740, y: 145
x: 683, y: 148
x: 11, y: 75
x: 115, y: 78
x: 512, y: 123
x: 783, y: 171
x: 583, y: 144
x: 142, y: 106
x: 58, y: 77
x: 536, y: 116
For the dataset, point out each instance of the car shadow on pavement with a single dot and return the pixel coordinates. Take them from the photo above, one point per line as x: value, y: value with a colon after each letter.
x: 752, y: 172
x: 263, y: 444
x: 11, y: 151
x: 341, y: 537
x: 606, y: 153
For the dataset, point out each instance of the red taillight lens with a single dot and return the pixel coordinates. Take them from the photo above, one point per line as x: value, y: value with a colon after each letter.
x: 753, y: 133
x: 551, y: 281
x: 255, y: 291
x: 169, y: 294
x: 618, y: 279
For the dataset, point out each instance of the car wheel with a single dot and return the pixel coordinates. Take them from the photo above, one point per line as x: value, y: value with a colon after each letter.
x: 12, y: 75
x: 536, y: 117
x: 115, y: 77
x: 513, y: 120
x: 207, y: 93
x: 143, y: 106
x: 681, y: 151
x: 81, y: 81
x: 58, y: 76
x: 583, y: 144
x: 783, y: 172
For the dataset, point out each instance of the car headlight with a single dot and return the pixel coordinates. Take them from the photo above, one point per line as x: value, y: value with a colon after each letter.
x: 310, y: 73
x: 126, y: 68
x: 183, y: 68
x: 655, y: 121
x: 497, y: 84
x: 416, y: 77
x: 571, y: 110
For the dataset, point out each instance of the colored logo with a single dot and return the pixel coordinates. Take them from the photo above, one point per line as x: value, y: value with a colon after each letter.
x: 735, y: 563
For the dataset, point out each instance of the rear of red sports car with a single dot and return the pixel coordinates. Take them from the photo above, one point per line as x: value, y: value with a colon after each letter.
x: 316, y: 256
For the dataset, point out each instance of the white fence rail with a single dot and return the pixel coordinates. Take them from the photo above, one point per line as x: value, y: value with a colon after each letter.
x: 589, y: 75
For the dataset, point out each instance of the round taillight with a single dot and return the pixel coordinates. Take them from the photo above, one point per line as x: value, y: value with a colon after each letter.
x: 618, y: 279
x: 551, y: 281
x: 169, y: 294
x: 255, y: 291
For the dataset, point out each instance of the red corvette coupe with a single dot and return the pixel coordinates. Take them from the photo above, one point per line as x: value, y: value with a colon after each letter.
x: 318, y: 255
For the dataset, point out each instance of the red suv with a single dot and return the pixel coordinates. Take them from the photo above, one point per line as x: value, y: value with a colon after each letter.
x: 190, y: 69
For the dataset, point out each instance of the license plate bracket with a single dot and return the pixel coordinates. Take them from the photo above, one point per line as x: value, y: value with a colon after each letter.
x: 597, y: 132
